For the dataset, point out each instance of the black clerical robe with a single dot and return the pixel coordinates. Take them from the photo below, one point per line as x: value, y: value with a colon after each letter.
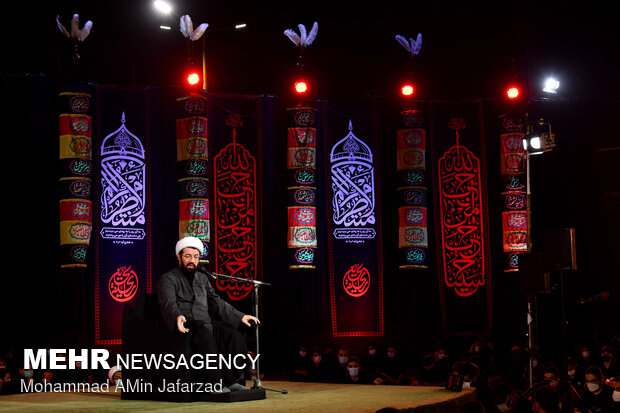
x: 195, y: 301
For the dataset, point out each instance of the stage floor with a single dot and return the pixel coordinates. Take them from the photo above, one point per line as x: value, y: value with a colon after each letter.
x: 301, y: 397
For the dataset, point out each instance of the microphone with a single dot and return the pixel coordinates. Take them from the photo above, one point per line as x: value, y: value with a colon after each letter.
x: 204, y: 270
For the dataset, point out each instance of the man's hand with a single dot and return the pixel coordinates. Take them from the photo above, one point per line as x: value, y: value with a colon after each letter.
x: 181, y: 324
x: 247, y: 318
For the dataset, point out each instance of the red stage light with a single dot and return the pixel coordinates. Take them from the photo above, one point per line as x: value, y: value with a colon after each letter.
x: 512, y: 92
x: 193, y: 78
x: 408, y: 89
x: 301, y: 86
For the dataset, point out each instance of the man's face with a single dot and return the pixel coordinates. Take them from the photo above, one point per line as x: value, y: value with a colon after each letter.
x: 551, y: 378
x: 189, y: 258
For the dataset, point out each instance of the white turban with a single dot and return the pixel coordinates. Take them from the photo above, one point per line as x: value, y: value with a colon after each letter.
x: 112, y: 371
x: 192, y: 242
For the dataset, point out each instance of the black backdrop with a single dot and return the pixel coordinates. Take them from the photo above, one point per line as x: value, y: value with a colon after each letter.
x: 574, y: 186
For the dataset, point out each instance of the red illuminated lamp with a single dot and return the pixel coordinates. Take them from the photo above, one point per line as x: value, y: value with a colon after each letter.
x: 513, y: 92
x: 407, y: 90
x: 193, y: 78
x: 301, y: 86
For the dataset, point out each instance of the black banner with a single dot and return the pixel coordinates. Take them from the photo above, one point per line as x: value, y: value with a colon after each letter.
x: 353, y: 219
x: 461, y: 216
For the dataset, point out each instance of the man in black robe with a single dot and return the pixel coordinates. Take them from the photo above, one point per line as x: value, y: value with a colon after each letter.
x: 187, y: 300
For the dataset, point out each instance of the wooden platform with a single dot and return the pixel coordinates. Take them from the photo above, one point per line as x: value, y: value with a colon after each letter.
x: 300, y: 397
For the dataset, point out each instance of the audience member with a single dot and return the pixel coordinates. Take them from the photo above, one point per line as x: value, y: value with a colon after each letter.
x: 584, y: 358
x: 598, y: 397
x: 515, y: 373
x: 7, y: 384
x: 370, y: 362
x: 503, y: 398
x: 391, y: 369
x: 355, y: 374
x: 301, y: 365
x: 608, y: 363
x: 317, y: 371
x: 435, y: 367
x: 575, y: 375
x: 546, y: 400
x: 562, y: 388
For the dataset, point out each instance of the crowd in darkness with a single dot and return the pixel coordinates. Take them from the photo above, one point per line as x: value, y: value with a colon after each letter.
x: 587, y: 381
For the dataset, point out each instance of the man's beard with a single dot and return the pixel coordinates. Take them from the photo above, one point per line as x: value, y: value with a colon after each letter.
x: 189, y: 268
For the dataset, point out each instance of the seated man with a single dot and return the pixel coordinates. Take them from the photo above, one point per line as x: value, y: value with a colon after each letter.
x: 186, y: 299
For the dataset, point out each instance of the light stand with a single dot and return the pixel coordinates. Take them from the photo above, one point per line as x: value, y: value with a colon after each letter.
x: 257, y: 284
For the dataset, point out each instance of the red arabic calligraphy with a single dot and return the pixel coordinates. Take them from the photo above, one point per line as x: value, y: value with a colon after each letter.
x: 235, y: 218
x: 461, y: 220
x: 123, y: 284
x: 356, y: 280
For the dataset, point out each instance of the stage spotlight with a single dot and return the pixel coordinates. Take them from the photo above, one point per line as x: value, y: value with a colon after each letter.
x: 408, y: 89
x: 551, y: 85
x: 533, y: 144
x: 301, y: 87
x: 539, y: 138
x: 513, y: 92
x: 162, y: 6
x: 193, y: 78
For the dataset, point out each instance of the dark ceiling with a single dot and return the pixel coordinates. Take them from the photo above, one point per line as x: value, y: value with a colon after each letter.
x: 470, y: 49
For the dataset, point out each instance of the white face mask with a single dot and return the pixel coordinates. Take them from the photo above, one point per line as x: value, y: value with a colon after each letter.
x: 585, y: 354
x: 441, y: 356
x: 372, y: 352
x: 593, y: 387
x: 353, y: 371
x: 316, y: 359
x: 343, y: 359
x: 302, y: 353
x: 391, y: 355
x: 616, y: 395
x: 466, y: 384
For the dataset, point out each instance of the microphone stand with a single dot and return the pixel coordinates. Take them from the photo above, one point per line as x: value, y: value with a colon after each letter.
x: 257, y: 284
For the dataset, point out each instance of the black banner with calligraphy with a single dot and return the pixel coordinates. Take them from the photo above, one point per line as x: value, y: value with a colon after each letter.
x: 353, y: 218
x: 461, y: 216
x: 122, y: 221
x: 235, y: 131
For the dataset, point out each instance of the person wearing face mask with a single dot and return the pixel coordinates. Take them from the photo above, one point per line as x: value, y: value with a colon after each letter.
x: 338, y: 371
x: 370, y: 362
x: 317, y: 371
x: 614, y: 383
x: 598, y: 397
x: 301, y: 364
x: 575, y: 375
x: 392, y: 368
x: 435, y: 367
x: 584, y: 357
x: 355, y: 374
x: 608, y: 363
